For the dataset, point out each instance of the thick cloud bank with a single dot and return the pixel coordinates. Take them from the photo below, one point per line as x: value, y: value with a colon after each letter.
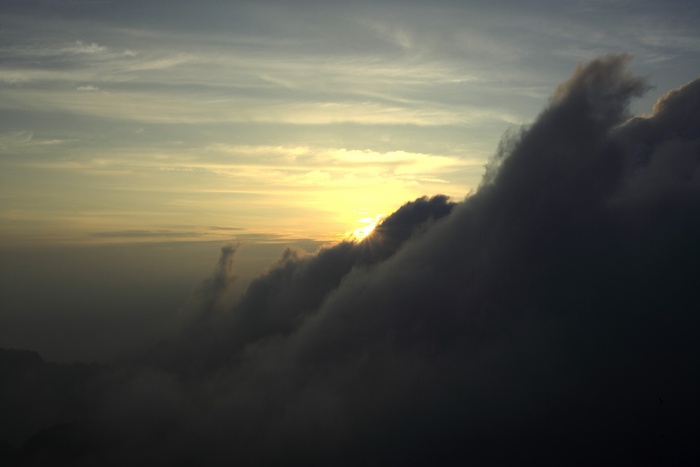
x: 550, y: 318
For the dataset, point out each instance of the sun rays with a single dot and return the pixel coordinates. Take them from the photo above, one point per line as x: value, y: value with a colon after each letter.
x: 366, y: 231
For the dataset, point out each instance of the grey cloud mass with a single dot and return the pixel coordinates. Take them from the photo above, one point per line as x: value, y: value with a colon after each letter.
x: 549, y: 318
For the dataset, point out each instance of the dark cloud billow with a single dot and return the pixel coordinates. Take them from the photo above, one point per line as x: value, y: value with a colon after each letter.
x: 551, y: 318
x: 278, y: 302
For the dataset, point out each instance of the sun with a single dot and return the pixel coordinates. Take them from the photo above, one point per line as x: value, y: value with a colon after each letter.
x: 366, y: 230
x: 363, y: 232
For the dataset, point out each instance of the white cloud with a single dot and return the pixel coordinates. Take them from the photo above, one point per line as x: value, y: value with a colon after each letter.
x: 22, y: 141
x: 79, y: 47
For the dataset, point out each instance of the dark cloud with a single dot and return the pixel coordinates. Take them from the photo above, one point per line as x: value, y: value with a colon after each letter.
x: 279, y: 302
x: 35, y: 394
x: 209, y: 296
x: 549, y: 318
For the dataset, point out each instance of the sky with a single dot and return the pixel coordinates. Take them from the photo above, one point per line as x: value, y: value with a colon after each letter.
x: 155, y: 121
x: 179, y: 279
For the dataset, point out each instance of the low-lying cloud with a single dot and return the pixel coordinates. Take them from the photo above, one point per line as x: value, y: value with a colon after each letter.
x: 549, y: 318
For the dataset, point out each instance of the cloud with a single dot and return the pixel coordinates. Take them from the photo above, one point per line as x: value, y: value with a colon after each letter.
x: 79, y: 47
x: 145, y: 234
x: 25, y: 141
x: 548, y: 318
x: 279, y: 302
x: 35, y: 395
x: 209, y: 296
x: 87, y: 88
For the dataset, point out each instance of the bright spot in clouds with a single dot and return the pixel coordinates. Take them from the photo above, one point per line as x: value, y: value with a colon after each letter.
x: 366, y: 230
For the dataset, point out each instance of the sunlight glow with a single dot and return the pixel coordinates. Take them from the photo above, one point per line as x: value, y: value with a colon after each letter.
x: 365, y: 231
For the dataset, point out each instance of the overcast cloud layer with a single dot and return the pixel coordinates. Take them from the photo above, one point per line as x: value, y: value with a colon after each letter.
x: 550, y: 318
